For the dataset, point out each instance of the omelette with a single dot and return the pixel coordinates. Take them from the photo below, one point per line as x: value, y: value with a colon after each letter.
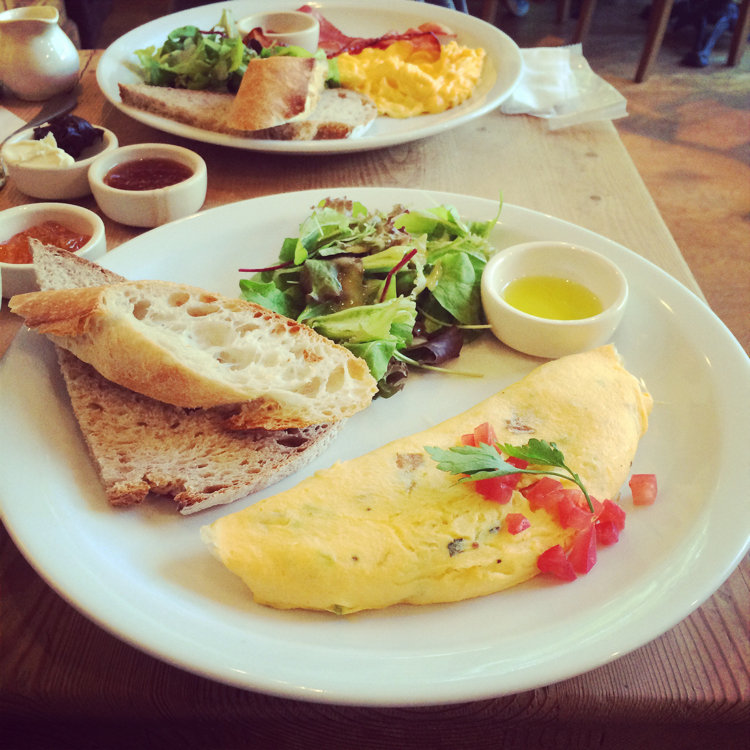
x: 389, y: 527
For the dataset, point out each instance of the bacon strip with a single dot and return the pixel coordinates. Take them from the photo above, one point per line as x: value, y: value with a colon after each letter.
x: 426, y: 36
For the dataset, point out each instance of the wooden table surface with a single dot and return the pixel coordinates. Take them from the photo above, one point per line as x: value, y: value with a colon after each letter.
x: 64, y: 682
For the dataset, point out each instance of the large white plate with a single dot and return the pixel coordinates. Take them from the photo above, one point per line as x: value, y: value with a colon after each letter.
x: 144, y: 575
x: 368, y: 18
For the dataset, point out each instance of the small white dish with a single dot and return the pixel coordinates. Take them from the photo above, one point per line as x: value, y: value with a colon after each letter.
x: 549, y: 337
x: 19, y: 278
x: 286, y: 28
x: 55, y: 182
x: 151, y: 207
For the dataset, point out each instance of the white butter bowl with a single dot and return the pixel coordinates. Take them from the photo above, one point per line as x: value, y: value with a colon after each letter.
x: 149, y: 208
x: 57, y: 183
x: 547, y: 337
x: 287, y: 28
x: 19, y: 278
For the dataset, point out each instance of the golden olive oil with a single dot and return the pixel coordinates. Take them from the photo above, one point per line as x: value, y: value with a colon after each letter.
x: 552, y: 297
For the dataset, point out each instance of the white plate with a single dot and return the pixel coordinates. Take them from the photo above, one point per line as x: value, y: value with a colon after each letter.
x: 366, y: 18
x: 144, y: 575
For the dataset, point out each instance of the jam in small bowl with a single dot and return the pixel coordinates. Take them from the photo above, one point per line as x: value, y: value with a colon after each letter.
x: 64, y: 225
x: 149, y: 184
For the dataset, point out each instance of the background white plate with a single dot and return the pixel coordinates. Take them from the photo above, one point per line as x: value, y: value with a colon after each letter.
x: 367, y: 18
x: 143, y: 574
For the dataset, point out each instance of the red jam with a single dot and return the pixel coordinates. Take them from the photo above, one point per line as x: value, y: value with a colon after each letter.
x: 147, y: 174
x: 17, y: 249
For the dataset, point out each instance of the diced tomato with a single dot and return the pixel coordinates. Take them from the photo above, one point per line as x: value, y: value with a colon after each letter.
x: 519, y: 463
x: 582, y: 555
x: 607, y: 533
x: 572, y: 509
x: 484, y: 433
x: 497, y: 489
x: 611, y: 512
x: 555, y: 562
x: 643, y: 488
x: 516, y: 523
x: 468, y: 439
x: 538, y: 493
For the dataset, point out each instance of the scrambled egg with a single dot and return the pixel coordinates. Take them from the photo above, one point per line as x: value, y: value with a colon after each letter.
x: 404, y: 81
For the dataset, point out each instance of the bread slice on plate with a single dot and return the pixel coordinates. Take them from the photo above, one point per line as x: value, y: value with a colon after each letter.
x: 188, y: 347
x: 339, y: 113
x: 277, y: 90
x: 140, y: 445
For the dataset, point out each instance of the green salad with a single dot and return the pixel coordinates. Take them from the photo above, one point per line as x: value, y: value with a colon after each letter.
x: 215, y: 59
x: 398, y: 289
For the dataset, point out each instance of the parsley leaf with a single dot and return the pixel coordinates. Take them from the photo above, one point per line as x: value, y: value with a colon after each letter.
x: 485, y: 461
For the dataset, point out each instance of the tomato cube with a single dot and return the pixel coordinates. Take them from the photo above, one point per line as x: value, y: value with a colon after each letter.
x: 468, y: 439
x: 611, y: 512
x: 538, y: 493
x: 555, y: 562
x: 484, y: 433
x: 607, y: 533
x: 572, y: 510
x: 582, y: 555
x: 643, y: 488
x: 497, y: 489
x: 516, y: 523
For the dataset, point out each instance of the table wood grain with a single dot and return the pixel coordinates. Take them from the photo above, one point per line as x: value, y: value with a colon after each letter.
x: 67, y: 683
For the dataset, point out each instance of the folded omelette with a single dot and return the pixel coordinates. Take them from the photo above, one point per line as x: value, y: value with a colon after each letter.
x: 389, y: 527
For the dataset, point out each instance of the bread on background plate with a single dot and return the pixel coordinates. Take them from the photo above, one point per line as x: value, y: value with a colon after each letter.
x: 141, y: 445
x: 339, y: 113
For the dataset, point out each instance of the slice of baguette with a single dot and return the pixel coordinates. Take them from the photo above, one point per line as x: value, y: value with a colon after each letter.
x: 277, y: 90
x: 141, y: 446
x: 340, y: 113
x: 188, y: 347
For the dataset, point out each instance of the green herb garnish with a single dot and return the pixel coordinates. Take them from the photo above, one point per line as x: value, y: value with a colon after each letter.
x: 485, y: 461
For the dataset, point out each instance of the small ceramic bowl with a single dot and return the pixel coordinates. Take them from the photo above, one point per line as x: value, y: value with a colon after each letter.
x: 57, y: 183
x: 152, y: 207
x: 550, y: 337
x: 287, y: 28
x: 19, y: 278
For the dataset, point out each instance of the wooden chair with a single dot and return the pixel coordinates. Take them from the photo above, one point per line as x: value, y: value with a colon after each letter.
x: 657, y: 26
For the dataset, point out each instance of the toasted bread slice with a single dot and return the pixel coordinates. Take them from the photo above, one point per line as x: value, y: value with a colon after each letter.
x: 191, y: 348
x: 140, y: 445
x: 340, y: 113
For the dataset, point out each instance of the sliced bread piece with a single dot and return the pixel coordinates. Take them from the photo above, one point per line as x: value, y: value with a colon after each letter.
x: 140, y: 445
x: 192, y: 348
x: 340, y: 113
x: 276, y: 90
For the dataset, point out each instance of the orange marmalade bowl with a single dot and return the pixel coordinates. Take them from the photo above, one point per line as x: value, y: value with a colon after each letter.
x: 19, y: 278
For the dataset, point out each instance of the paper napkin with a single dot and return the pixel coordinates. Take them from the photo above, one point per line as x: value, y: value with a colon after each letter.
x: 558, y: 85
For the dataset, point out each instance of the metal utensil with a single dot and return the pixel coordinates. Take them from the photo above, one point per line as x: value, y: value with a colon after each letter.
x: 58, y: 105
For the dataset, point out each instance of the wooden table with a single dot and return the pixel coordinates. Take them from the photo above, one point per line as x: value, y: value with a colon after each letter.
x: 65, y: 683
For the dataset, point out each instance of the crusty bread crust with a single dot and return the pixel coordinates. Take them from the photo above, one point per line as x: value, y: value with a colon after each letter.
x: 191, y: 348
x: 340, y: 113
x: 276, y: 90
x: 140, y: 445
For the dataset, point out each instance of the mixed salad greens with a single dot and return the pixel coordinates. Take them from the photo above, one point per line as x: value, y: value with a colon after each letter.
x: 215, y: 59
x: 398, y: 289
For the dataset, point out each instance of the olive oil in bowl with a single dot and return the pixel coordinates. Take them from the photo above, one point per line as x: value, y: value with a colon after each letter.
x: 552, y: 297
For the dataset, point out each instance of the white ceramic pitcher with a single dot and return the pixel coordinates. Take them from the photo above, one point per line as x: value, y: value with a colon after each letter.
x: 37, y: 58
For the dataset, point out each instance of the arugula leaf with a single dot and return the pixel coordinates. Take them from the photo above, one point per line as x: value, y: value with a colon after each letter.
x: 485, y: 461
